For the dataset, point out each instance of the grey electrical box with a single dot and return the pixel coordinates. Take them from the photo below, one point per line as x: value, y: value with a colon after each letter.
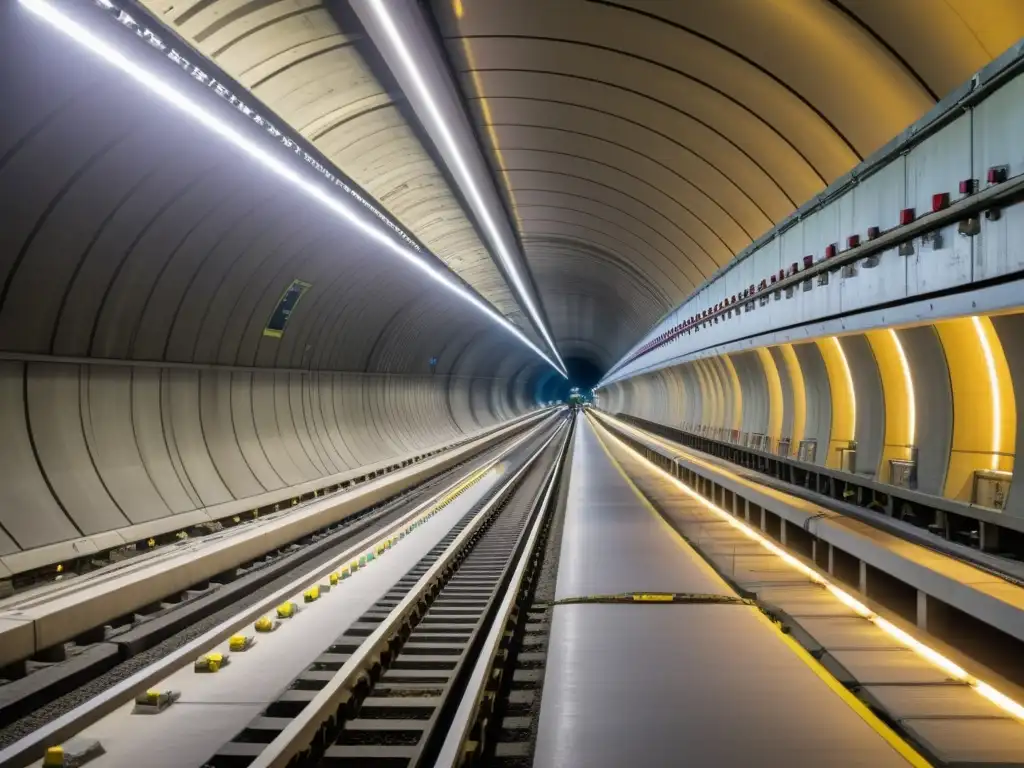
x: 902, y: 473
x: 848, y: 457
x: 807, y: 450
x: 991, y: 488
x: 760, y: 442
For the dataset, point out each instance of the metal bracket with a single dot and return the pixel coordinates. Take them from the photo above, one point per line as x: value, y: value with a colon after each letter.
x: 969, y: 227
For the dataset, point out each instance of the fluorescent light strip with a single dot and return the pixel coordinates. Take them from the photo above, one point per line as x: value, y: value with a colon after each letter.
x: 908, y: 382
x: 849, y: 384
x: 944, y: 663
x: 383, y: 14
x: 993, y: 382
x: 175, y: 98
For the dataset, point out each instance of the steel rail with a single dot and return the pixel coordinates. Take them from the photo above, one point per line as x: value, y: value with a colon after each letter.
x: 34, y: 746
x: 453, y: 750
x: 297, y: 737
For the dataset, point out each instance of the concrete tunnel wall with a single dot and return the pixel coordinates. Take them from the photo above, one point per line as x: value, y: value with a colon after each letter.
x: 140, y: 260
x: 948, y: 388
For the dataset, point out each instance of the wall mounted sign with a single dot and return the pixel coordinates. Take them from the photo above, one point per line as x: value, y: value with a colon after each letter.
x: 285, y: 306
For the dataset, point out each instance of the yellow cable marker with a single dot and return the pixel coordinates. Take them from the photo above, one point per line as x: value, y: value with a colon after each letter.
x: 287, y: 610
x: 211, y: 662
x: 239, y: 643
x: 265, y: 624
x: 333, y: 579
x: 312, y: 594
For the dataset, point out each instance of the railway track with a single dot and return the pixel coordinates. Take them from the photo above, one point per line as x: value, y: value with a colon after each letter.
x: 383, y: 521
x: 409, y: 671
x: 98, y: 653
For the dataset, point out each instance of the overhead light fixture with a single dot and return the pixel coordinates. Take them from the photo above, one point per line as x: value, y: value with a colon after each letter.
x: 172, y: 96
x: 993, y: 382
x: 908, y: 382
x: 412, y: 70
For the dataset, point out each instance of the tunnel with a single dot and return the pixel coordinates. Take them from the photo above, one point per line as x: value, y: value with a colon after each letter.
x: 260, y: 254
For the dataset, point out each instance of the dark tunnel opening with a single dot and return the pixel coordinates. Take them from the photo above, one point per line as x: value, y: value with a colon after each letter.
x: 550, y: 386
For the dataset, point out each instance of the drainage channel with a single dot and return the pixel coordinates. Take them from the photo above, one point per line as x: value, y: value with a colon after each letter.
x: 398, y: 702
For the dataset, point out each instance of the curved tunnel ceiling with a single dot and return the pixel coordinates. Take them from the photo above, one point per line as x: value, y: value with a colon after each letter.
x: 642, y: 144
x: 295, y: 57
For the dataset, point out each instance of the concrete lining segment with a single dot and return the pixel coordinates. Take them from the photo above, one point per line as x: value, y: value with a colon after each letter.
x: 213, y: 707
x: 41, y: 557
x: 978, y: 593
x: 86, y: 603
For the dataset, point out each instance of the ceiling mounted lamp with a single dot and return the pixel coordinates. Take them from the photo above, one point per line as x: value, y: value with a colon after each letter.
x: 383, y: 13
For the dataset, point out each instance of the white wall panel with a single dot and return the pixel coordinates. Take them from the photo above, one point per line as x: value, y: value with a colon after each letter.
x: 315, y: 418
x: 933, y: 402
x: 818, y: 393
x: 183, y: 388
x: 220, y: 437
x: 268, y: 432
x: 938, y: 165
x: 997, y: 128
x: 297, y: 414
x: 244, y: 427
x: 874, y: 202
x: 162, y: 442
x: 788, y: 397
x: 56, y: 423
x: 286, y: 427
x: 29, y: 512
x: 113, y: 440
x: 1010, y: 329
x: 151, y: 418
x: 867, y: 383
x: 754, y: 387
x: 351, y: 415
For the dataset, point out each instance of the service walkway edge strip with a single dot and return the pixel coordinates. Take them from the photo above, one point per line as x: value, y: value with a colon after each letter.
x: 947, y: 665
x: 891, y: 737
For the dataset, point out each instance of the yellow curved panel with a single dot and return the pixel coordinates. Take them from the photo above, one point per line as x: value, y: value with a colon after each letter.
x: 707, y: 395
x: 898, y: 394
x: 796, y: 379
x: 717, y: 397
x: 844, y: 399
x: 775, y: 401
x: 984, y: 411
x: 1004, y: 405
x: 737, y: 394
